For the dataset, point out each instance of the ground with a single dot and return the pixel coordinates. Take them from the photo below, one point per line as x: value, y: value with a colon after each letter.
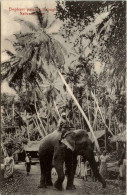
x: 28, y: 185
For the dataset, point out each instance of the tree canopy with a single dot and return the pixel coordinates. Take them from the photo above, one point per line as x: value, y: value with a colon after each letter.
x: 88, y: 51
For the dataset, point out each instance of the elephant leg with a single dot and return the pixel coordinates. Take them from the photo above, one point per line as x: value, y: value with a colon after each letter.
x: 48, y: 174
x: 58, y: 161
x: 74, y: 163
x: 60, y: 172
x: 70, y: 163
x: 43, y: 175
x: 96, y: 173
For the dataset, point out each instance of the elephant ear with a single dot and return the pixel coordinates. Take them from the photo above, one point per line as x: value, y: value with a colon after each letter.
x: 69, y: 140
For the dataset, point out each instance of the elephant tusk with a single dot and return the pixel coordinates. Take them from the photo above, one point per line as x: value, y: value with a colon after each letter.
x: 64, y: 141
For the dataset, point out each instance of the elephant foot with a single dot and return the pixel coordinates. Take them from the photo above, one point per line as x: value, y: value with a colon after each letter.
x: 104, y: 184
x: 58, y: 186
x: 71, y: 187
x: 49, y: 183
x: 102, y: 180
x: 42, y: 186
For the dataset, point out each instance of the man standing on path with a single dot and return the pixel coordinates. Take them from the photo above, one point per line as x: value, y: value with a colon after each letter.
x: 96, y: 157
x: 28, y: 163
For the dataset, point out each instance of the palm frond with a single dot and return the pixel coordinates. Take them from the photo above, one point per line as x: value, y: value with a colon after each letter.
x: 61, y: 47
x: 5, y: 65
x: 4, y: 74
x: 44, y: 52
x: 26, y: 54
x: 50, y: 25
x: 45, y: 19
x: 9, y: 53
x: 102, y: 24
x: 56, y: 53
x: 29, y: 24
x: 39, y: 16
x: 42, y: 71
x: 24, y: 39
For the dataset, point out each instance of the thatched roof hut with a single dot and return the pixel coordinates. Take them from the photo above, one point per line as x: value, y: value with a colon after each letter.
x: 98, y: 134
x: 121, y: 137
x: 32, y: 146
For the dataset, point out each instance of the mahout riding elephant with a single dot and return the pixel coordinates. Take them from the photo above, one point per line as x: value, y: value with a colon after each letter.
x: 53, y: 152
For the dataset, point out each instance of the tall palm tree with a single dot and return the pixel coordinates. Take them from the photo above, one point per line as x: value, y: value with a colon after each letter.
x: 39, y: 48
x: 34, y: 52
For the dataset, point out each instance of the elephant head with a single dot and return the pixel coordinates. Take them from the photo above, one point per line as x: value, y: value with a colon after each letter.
x: 78, y: 141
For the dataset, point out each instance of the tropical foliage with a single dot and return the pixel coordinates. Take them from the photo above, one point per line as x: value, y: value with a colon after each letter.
x: 85, y: 58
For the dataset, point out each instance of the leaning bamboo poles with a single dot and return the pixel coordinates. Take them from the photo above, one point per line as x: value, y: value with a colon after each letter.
x: 101, y: 113
x: 27, y: 126
x: 56, y: 108
x: 79, y: 107
x: 38, y: 128
x: 4, y: 149
x: 95, y: 117
x: 40, y: 120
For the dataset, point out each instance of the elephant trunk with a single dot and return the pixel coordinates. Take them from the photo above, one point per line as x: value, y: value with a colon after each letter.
x: 95, y: 170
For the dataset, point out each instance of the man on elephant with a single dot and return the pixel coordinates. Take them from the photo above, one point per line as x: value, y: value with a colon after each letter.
x: 63, y: 124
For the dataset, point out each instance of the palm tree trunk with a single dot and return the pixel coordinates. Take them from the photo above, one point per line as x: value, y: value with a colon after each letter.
x: 73, y: 115
x: 83, y: 123
x: 40, y: 119
x: 56, y: 108
x: 95, y: 117
x: 36, y: 119
x: 80, y: 120
x: 79, y: 107
x: 74, y: 121
x: 7, y: 113
x: 89, y: 114
x: 13, y: 112
x: 38, y: 128
x: 101, y: 113
x: 110, y: 121
x: 95, y: 113
x: 27, y: 126
x: 105, y: 131
x: 4, y: 150
x: 2, y: 119
x: 88, y: 109
x: 117, y: 125
x: 48, y: 109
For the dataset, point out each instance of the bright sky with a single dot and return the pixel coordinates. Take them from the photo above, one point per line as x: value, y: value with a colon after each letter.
x: 98, y: 67
x: 6, y: 89
x: 8, y: 23
x: 10, y: 26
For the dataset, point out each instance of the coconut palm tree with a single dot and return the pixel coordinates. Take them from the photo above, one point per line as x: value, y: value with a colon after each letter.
x: 39, y: 48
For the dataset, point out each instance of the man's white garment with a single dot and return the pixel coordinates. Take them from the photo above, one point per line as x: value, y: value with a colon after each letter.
x: 96, y: 159
x: 27, y: 159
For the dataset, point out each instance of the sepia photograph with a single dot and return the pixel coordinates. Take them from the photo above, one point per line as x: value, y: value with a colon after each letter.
x: 63, y: 97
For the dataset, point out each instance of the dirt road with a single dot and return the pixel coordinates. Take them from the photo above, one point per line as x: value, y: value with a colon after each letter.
x: 28, y: 185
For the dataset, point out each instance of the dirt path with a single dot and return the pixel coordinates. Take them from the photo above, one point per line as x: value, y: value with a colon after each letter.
x: 28, y: 185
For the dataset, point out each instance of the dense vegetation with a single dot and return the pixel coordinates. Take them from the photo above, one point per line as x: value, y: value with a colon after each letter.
x: 88, y: 51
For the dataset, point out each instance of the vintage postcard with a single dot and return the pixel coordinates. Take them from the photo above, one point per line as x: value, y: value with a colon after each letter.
x: 63, y: 100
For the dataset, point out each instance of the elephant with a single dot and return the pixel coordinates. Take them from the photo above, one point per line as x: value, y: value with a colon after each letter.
x: 54, y: 152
